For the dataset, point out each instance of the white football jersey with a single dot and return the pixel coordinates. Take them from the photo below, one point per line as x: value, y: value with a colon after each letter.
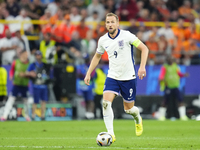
x: 120, y: 54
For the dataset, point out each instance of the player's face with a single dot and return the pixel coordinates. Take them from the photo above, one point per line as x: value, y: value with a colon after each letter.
x: 23, y: 57
x: 112, y: 24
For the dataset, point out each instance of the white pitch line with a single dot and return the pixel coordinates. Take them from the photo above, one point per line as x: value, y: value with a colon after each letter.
x: 78, y: 147
x: 67, y: 138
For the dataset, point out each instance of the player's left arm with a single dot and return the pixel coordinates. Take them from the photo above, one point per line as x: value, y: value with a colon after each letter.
x: 144, y: 55
x: 182, y: 74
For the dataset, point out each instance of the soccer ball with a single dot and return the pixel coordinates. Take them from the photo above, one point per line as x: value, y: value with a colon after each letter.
x: 104, y: 139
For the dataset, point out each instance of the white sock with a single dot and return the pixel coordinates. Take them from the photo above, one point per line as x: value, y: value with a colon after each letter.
x: 26, y: 108
x: 108, y: 116
x: 134, y: 111
x: 162, y: 111
x: 182, y: 111
x: 8, y: 106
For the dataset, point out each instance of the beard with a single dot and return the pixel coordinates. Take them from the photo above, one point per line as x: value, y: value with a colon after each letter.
x: 112, y: 32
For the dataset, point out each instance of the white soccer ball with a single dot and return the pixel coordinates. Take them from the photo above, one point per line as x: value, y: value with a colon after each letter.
x: 104, y: 139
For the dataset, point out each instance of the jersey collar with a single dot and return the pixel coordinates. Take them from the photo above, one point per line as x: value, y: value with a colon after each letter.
x: 115, y: 36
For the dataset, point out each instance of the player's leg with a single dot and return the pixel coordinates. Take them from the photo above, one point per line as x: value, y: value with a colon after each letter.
x: 24, y: 92
x: 134, y: 111
x: 8, y: 107
x: 162, y: 110
x: 98, y: 105
x: 10, y: 102
x: 111, y: 89
x: 89, y: 99
x: 26, y: 109
x: 36, y: 98
x: 43, y: 109
x: 108, y: 115
x: 44, y: 98
x: 128, y: 92
x: 181, y: 108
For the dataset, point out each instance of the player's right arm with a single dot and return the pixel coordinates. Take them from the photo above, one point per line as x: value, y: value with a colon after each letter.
x: 93, y: 64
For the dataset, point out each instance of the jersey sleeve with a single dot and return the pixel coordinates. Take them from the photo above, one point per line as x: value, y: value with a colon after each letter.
x: 133, y: 39
x: 100, y: 49
x: 31, y: 67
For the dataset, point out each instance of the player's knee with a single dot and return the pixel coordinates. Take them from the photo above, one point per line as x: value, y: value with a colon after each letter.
x: 106, y: 104
x: 133, y: 111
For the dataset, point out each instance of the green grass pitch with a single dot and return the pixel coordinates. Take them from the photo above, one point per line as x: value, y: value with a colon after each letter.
x: 81, y: 135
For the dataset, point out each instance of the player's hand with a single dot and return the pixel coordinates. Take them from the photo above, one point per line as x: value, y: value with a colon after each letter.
x: 87, y: 80
x: 141, y: 73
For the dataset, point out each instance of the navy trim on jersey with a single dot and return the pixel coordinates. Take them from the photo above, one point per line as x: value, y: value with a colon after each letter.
x: 115, y: 36
x: 132, y: 48
x: 133, y: 61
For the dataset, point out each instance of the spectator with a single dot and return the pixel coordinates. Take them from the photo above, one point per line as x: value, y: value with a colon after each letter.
x: 163, y: 10
x: 152, y: 45
x: 9, y: 17
x: 143, y: 16
x: 167, y: 31
x: 74, y: 15
x: 25, y: 4
x: 154, y: 17
x: 54, y: 6
x: 39, y: 72
x: 98, y: 31
x: 170, y: 75
x: 3, y: 28
x: 82, y: 29
x: 127, y: 10
x: 162, y: 49
x: 185, y: 9
x: 67, y: 28
x: 45, y: 17
x: 133, y: 28
x: 110, y: 6
x: 75, y: 49
x: 7, y: 48
x: 173, y: 5
x: 89, y: 44
x: 94, y: 19
x: 150, y: 5
x: 96, y: 6
x: 174, y: 16
x: 57, y: 17
x: 22, y: 43
x: 47, y: 48
x: 20, y: 85
x: 190, y: 49
x: 169, y: 35
x: 191, y: 31
x: 84, y: 13
x: 140, y: 6
x: 179, y: 31
x: 23, y: 17
x: 3, y: 82
x: 54, y: 27
x: 12, y: 7
x: 36, y: 10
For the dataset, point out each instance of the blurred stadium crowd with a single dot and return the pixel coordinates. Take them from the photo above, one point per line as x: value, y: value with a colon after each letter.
x: 74, y: 27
